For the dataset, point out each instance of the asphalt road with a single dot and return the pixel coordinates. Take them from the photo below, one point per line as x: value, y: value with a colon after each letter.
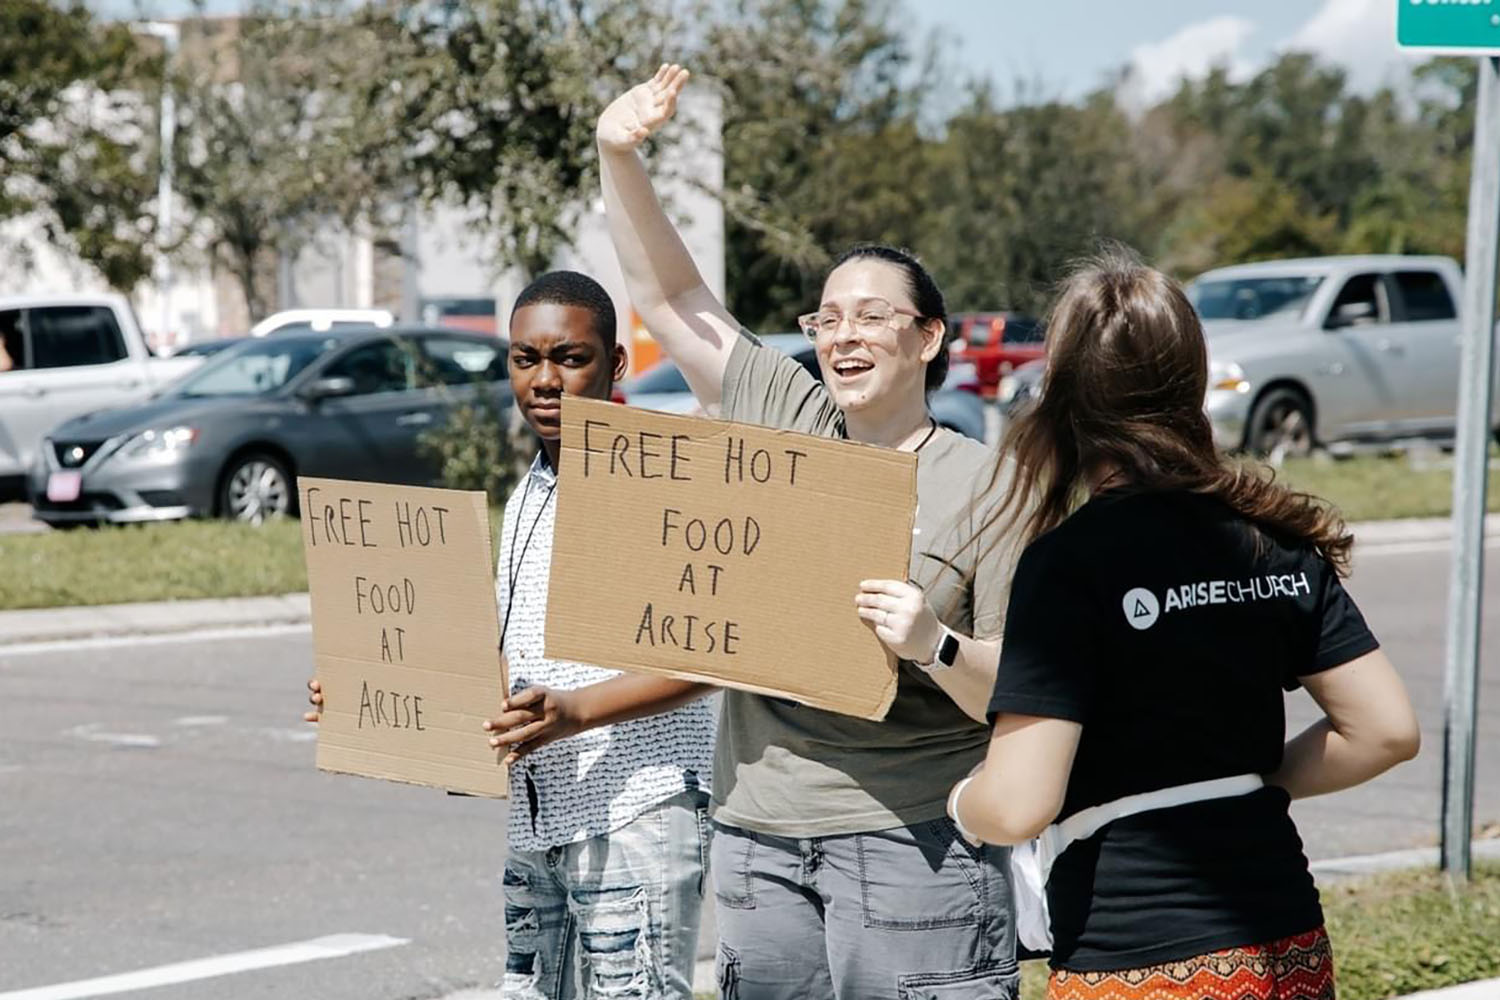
x: 158, y: 804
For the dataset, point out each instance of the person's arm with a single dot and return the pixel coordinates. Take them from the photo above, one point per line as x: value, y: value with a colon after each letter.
x: 540, y: 715
x: 666, y: 289
x: 1020, y: 787
x: 904, y: 620
x: 1369, y: 727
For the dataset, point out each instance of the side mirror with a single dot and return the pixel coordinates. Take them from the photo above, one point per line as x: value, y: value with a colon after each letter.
x: 1351, y: 314
x: 329, y: 387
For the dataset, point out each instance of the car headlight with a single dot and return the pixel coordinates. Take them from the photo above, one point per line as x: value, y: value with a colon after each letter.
x: 1227, y: 377
x: 154, y: 443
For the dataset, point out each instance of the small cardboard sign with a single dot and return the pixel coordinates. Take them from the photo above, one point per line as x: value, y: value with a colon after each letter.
x: 720, y: 552
x: 404, y: 633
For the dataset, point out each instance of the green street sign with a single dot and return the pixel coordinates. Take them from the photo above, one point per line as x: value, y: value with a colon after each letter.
x: 1470, y: 27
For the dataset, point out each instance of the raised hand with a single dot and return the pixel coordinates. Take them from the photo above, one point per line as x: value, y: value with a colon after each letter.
x: 643, y: 109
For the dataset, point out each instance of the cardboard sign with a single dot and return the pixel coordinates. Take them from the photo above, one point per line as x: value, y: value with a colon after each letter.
x: 404, y: 633
x: 719, y: 552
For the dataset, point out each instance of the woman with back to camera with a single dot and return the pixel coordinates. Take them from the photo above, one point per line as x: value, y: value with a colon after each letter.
x: 836, y: 872
x: 1150, y: 634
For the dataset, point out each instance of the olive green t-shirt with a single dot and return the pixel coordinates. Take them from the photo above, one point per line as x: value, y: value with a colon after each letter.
x: 795, y: 771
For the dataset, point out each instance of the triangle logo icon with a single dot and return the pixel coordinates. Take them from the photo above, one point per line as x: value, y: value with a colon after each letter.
x: 1141, y: 611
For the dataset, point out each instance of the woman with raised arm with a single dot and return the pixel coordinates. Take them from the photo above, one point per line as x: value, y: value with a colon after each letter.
x: 835, y: 869
x: 1139, y: 702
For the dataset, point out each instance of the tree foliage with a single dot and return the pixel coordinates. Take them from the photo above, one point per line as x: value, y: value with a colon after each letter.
x: 76, y: 148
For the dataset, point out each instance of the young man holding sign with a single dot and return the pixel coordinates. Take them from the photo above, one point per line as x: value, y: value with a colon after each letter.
x: 608, y: 826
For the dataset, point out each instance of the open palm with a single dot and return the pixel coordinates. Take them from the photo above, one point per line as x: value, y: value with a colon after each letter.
x: 641, y: 110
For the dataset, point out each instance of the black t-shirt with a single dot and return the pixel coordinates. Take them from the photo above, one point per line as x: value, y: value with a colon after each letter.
x: 1168, y: 626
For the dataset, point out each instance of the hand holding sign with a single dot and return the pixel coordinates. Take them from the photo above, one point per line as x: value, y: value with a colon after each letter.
x: 533, y: 718
x: 901, y: 617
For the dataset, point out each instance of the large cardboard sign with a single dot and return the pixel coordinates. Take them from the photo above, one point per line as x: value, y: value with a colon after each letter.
x: 404, y: 632
x: 712, y: 551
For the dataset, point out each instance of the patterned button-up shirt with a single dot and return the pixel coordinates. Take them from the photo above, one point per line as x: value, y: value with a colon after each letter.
x: 600, y: 780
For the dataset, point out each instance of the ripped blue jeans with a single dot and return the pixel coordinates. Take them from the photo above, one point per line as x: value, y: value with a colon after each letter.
x: 615, y: 916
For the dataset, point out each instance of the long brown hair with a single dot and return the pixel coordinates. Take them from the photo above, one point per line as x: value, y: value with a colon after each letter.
x: 1122, y: 401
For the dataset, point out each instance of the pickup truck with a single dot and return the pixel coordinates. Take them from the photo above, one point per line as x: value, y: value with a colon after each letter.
x: 1333, y: 351
x: 63, y: 356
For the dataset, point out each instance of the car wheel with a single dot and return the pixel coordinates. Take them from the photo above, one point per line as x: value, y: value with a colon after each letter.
x: 1281, y: 425
x: 256, y: 488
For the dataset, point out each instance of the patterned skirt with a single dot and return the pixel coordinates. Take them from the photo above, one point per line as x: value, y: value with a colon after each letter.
x: 1295, y: 968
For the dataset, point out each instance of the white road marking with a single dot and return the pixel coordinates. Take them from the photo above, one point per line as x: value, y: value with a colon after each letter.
x: 93, y: 734
x: 308, y: 735
x: 201, y: 720
x: 171, y: 638
x: 315, y: 950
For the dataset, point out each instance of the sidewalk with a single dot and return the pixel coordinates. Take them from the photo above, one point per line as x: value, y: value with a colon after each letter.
x: 114, y: 620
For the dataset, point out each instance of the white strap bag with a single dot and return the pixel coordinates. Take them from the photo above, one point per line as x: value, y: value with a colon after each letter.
x: 1031, y: 862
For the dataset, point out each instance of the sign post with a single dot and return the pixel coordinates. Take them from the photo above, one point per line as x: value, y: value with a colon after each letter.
x: 1471, y: 28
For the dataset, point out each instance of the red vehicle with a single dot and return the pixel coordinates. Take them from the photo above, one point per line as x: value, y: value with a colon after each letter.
x: 995, y: 344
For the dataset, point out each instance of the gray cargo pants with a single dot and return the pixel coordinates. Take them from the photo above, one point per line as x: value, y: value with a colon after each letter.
x: 912, y: 913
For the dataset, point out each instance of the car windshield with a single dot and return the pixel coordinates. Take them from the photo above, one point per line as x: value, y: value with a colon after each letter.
x: 1253, y: 298
x: 665, y: 377
x: 255, y: 368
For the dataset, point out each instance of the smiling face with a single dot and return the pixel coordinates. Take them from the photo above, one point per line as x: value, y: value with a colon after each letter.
x: 874, y: 368
x: 556, y: 350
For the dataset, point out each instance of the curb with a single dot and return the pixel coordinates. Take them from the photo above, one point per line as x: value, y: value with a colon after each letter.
x: 1482, y: 989
x: 1416, y: 529
x: 164, y: 617
x: 1374, y: 864
x: 154, y: 618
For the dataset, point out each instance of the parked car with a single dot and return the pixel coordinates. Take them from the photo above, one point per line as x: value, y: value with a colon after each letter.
x: 231, y: 438
x: 69, y: 354
x: 1021, y: 387
x: 1331, y: 350
x: 996, y: 343
x: 321, y: 321
x: 956, y: 405
x: 204, y: 348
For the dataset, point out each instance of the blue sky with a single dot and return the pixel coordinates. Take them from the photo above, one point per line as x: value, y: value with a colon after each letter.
x: 1068, y: 47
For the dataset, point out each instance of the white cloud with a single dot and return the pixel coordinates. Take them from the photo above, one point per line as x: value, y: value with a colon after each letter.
x: 1358, y: 35
x: 1157, y: 68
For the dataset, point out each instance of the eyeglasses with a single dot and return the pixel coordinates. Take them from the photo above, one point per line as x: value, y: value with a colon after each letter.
x: 871, y: 319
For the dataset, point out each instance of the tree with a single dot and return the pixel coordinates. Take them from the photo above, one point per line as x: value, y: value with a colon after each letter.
x: 75, y: 138
x: 492, y: 104
x: 1020, y: 192
x: 1290, y: 163
x: 276, y: 143
x: 822, y: 145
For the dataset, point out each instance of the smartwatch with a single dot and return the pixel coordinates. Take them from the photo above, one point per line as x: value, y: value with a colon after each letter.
x: 945, y: 655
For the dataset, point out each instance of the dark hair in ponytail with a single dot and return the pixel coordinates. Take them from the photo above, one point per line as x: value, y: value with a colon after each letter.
x: 1127, y: 371
x: 925, y: 295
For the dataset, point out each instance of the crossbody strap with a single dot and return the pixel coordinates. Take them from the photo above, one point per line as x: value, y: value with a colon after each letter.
x: 1086, y: 822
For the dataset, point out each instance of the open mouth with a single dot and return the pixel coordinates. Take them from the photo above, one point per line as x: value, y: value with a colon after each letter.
x: 852, y: 368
